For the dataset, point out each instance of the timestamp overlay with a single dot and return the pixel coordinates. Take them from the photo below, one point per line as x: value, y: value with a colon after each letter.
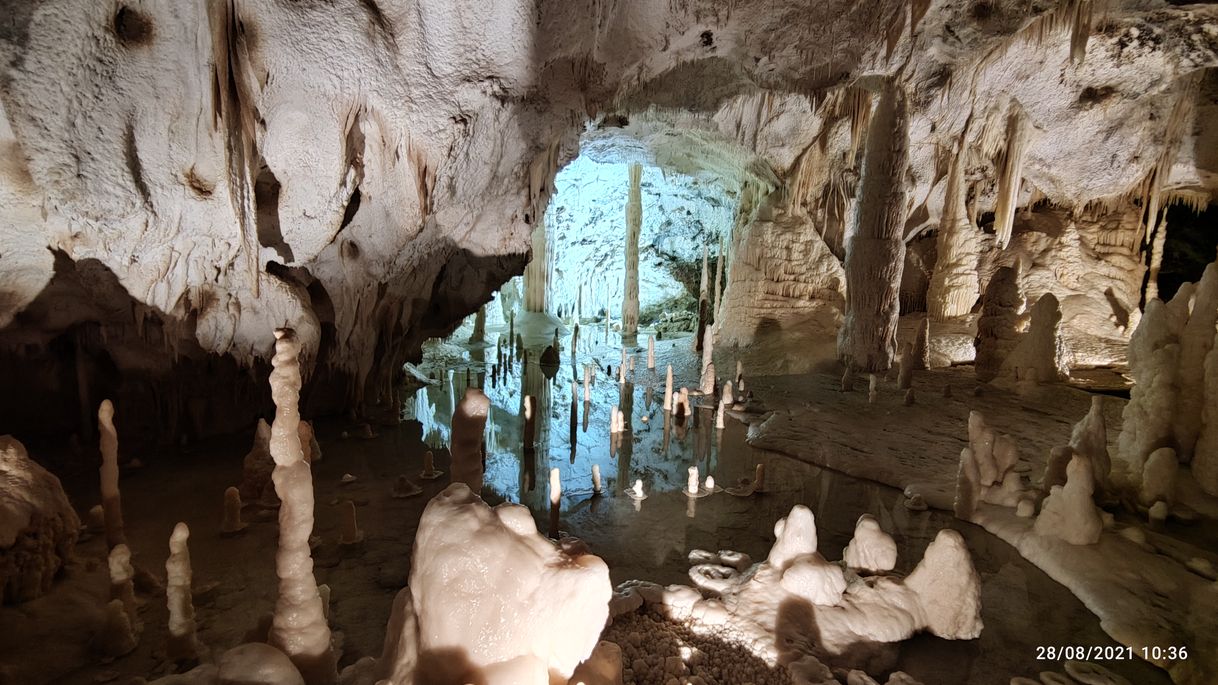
x: 1155, y: 653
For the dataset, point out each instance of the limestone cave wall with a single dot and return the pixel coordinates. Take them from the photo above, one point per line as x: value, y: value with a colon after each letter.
x: 369, y: 171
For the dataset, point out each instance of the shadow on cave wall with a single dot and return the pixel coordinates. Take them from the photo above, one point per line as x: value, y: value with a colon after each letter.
x: 85, y: 339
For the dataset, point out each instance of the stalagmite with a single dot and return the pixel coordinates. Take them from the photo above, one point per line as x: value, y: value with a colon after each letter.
x: 1196, y: 341
x: 906, y: 369
x: 953, y: 286
x: 468, y: 427
x: 116, y: 637
x: 921, y: 346
x: 968, y: 486
x: 707, y: 387
x: 875, y: 252
x: 429, y: 471
x: 1010, y: 173
x: 183, y: 643
x: 122, y: 584
x: 668, y: 390
x: 1040, y: 353
x: 703, y: 305
x: 1068, y: 512
x: 596, y: 479
x: 555, y: 487
x: 634, y: 223
x: 1055, y: 467
x: 718, y: 281
x: 1154, y: 354
x: 728, y: 398
x: 739, y: 372
x: 299, y: 625
x: 873, y: 392
x: 536, y: 275
x: 232, y: 523
x: 691, y: 483
x: 351, y: 533
x: 112, y: 503
x: 1205, y: 456
x: 719, y: 416
x: 948, y: 588
x: 909, y: 398
x: 997, y: 327
x: 1089, y: 437
x: 1159, y: 477
x: 587, y: 383
x: 479, y: 333
x: 651, y: 352
x: 871, y: 549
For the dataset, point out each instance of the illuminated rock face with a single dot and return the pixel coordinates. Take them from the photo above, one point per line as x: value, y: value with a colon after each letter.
x: 368, y: 173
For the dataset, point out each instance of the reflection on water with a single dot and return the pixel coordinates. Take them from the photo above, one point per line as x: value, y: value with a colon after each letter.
x: 569, y: 434
x: 650, y: 538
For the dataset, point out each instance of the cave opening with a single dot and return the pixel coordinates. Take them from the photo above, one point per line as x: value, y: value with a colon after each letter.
x: 1191, y: 244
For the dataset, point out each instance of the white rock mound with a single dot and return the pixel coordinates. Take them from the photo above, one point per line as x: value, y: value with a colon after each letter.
x: 38, y: 527
x: 496, y: 602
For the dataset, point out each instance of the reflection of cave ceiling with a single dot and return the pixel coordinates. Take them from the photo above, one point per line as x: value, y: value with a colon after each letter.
x: 340, y: 163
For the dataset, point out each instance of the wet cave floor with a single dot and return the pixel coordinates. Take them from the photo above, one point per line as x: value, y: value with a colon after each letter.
x: 47, y: 640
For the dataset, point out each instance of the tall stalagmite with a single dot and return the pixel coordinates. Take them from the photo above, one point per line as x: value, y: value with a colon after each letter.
x: 953, y: 285
x: 299, y: 627
x: 479, y: 334
x: 634, y: 224
x: 183, y: 643
x: 718, y: 282
x: 1196, y: 341
x: 537, y: 272
x: 112, y: 502
x: 875, y: 252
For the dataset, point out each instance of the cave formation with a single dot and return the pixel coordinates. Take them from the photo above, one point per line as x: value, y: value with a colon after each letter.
x: 687, y: 342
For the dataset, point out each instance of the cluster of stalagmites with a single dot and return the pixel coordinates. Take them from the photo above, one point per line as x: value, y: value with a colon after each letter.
x: 1171, y: 418
x: 1073, y: 474
x: 771, y: 609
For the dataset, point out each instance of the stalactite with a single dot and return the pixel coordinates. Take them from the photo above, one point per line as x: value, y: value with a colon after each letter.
x: 875, y: 253
x: 1010, y: 174
x: 634, y: 224
x: 299, y: 626
x: 236, y: 111
x: 1074, y: 16
x: 1152, y: 185
x: 954, y: 287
